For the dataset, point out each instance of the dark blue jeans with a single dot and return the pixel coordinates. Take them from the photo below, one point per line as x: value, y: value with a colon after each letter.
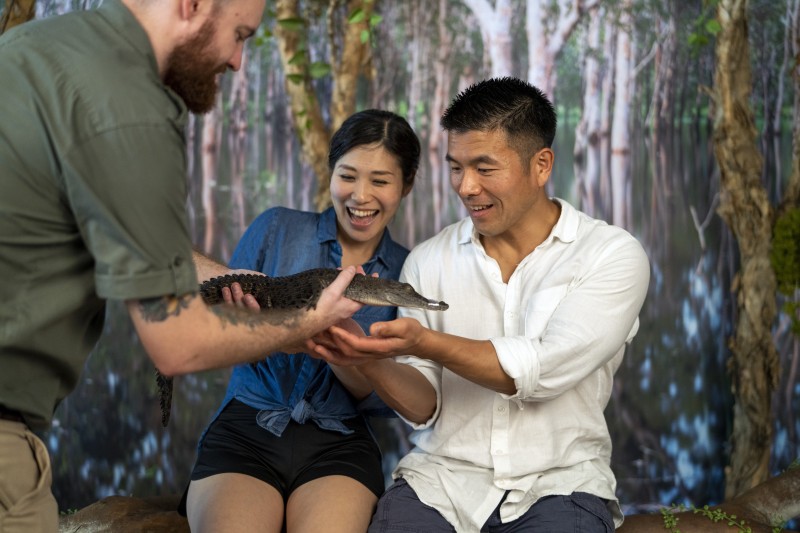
x: 400, y: 511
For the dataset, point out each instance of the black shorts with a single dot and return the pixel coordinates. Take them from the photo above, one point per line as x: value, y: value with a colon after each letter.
x: 235, y: 443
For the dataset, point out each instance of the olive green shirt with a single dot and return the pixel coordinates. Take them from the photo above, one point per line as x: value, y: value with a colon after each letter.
x: 92, y: 195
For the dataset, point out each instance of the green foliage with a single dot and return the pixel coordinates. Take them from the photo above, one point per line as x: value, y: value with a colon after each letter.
x: 785, y: 257
x: 319, y: 69
x: 715, y: 515
x: 292, y: 24
x: 358, y: 15
x: 705, y: 28
x: 299, y: 59
x: 297, y: 79
x: 670, y: 520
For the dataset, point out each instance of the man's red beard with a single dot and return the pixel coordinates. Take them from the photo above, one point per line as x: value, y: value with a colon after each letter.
x: 192, y: 71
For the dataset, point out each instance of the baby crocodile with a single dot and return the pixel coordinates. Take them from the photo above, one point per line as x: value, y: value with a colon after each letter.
x: 302, y: 290
x: 298, y: 291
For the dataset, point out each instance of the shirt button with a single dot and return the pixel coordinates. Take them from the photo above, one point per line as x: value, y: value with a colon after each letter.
x: 178, y: 261
x: 498, y: 452
x: 501, y: 409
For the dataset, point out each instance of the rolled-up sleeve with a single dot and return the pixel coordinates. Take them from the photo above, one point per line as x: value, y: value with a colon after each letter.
x: 130, y: 209
x: 568, y: 338
x: 519, y: 360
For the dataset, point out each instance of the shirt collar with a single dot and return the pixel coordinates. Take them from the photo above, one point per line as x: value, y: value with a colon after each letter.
x: 565, y: 230
x: 326, y: 234
x: 128, y: 27
x: 121, y: 19
x: 326, y: 227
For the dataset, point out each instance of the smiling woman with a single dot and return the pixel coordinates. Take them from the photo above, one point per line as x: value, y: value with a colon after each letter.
x: 290, y: 444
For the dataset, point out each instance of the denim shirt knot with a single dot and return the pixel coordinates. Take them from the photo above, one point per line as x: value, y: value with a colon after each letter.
x: 276, y: 420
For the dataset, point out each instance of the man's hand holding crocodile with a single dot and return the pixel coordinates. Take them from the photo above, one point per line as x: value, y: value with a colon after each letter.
x: 404, y: 388
x: 192, y: 340
x: 365, y: 363
x: 471, y: 359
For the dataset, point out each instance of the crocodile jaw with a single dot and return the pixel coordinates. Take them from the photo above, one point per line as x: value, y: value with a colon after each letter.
x: 417, y: 301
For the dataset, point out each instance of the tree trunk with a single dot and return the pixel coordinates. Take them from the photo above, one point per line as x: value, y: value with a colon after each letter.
x: 745, y: 207
x: 587, y: 134
x: 620, y: 125
x: 791, y: 198
x: 313, y: 134
x: 210, y: 149
x: 436, y: 150
x: 662, y: 133
x: 607, y: 97
x: 353, y: 61
x: 15, y: 13
x: 548, y: 36
x: 237, y: 144
x: 495, y: 26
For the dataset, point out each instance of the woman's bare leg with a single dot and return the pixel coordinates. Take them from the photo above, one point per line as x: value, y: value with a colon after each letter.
x: 234, y: 503
x: 332, y: 504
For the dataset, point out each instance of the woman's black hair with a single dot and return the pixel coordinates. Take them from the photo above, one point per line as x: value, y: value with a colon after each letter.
x: 376, y: 126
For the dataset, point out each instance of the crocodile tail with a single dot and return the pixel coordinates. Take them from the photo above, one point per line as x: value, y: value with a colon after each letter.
x: 165, y: 396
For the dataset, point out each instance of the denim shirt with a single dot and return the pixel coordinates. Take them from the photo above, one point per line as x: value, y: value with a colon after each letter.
x: 299, y: 387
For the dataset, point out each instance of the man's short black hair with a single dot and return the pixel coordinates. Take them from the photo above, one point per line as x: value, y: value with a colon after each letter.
x: 507, y: 104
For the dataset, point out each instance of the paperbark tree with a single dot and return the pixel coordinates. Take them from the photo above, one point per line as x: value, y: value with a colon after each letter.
x: 549, y: 25
x: 587, y: 134
x: 746, y: 209
x: 209, y: 150
x: 620, y: 124
x: 349, y: 48
x: 791, y: 199
x: 238, y: 130
x: 495, y: 23
x: 607, y: 94
x: 662, y: 119
x: 436, y: 148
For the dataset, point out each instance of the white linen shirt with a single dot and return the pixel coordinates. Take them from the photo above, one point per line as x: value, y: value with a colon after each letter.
x: 559, y: 327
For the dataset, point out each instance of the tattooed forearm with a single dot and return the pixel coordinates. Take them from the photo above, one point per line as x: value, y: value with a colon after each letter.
x: 163, y: 307
x: 242, y: 317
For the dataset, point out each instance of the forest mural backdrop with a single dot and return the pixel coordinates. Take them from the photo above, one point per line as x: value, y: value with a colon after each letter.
x: 633, y: 82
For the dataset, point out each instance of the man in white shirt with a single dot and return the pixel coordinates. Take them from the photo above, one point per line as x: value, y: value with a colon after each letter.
x: 505, y: 390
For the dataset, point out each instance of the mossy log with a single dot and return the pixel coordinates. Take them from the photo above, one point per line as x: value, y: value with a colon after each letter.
x: 761, y: 509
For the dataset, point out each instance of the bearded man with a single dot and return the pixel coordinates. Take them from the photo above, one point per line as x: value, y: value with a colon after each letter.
x: 92, y: 194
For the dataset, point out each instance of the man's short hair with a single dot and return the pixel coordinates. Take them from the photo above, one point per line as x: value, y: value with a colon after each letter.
x: 507, y: 104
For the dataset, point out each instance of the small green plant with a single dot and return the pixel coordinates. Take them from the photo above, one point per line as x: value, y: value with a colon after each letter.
x: 785, y: 258
x: 705, y: 28
x: 671, y: 519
